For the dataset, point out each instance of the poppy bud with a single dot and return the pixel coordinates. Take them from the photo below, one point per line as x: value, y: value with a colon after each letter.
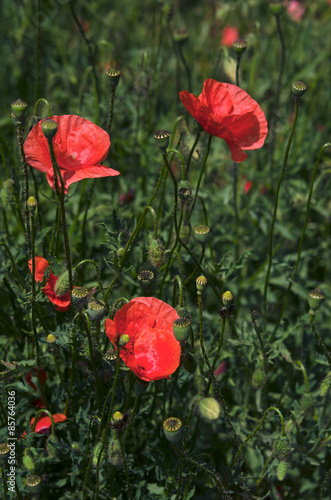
x: 315, y: 299
x: 123, y: 340
x: 117, y: 417
x: 181, y: 329
x: 325, y: 385
x: 114, y: 453
x: 114, y: 77
x: 53, y: 447
x: 281, y: 447
x: 27, y: 461
x: 156, y: 253
x: 62, y: 284
x: 281, y: 470
x: 180, y: 36
x: 49, y: 129
x: 33, y: 483
x: 201, y: 283
x: 227, y: 299
x: 4, y: 450
x: 209, y: 408
x: 277, y: 7
x: 162, y: 139
x: 32, y: 204
x: 299, y: 88
x: 185, y: 231
x: 239, y: 46
x: 79, y: 296
x: 172, y: 428
x: 96, y: 453
x: 140, y: 386
x: 201, y: 234
x: 96, y: 310
x: 190, y: 364
x: 50, y: 339
x: 146, y: 279
x: 259, y: 378
x: 18, y: 108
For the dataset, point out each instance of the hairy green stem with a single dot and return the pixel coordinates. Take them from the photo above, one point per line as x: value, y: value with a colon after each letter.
x: 215, y: 358
x: 196, y: 140
x: 319, y: 341
x: 200, y: 176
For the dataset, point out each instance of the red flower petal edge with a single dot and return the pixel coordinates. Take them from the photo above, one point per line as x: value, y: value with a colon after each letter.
x: 228, y: 112
x: 152, y: 352
x: 45, y: 423
x: 62, y: 304
x: 79, y: 146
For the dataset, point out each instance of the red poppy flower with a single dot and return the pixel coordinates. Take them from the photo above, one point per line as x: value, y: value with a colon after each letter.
x: 61, y: 303
x: 229, y: 35
x: 44, y: 423
x: 228, y: 112
x: 152, y: 352
x: 79, y: 147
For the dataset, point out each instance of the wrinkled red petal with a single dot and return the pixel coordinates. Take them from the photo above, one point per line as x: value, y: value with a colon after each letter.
x: 45, y: 423
x: 157, y: 354
x: 164, y: 315
x: 41, y: 265
x: 216, y: 96
x: 71, y: 176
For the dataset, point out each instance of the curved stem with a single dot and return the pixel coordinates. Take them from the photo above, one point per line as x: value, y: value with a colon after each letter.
x: 175, y: 151
x: 186, y: 66
x: 200, y: 175
x: 191, y: 152
x: 216, y: 356
x: 304, y: 376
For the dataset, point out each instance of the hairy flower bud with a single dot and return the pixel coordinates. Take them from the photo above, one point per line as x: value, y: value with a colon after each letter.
x: 325, y: 385
x: 27, y: 461
x: 114, y: 453
x: 209, y: 408
x: 96, y: 453
x: 282, y: 468
x: 62, y: 285
x: 185, y: 231
x: 156, y: 253
x: 282, y: 448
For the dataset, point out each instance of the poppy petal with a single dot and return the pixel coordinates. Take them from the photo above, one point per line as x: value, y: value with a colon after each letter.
x: 41, y: 265
x: 164, y: 315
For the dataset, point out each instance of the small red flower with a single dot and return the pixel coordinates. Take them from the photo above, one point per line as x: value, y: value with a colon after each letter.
x: 79, y: 147
x: 229, y: 35
x: 61, y: 303
x: 228, y: 112
x: 28, y: 377
x: 152, y: 352
x: 44, y: 423
x: 296, y: 10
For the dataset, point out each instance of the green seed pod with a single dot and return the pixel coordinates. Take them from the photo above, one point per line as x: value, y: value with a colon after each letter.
x: 281, y: 470
x: 4, y: 450
x: 79, y: 296
x: 50, y: 339
x: 185, y: 231
x: 96, y: 453
x: 53, y: 447
x: 114, y: 77
x: 181, y: 329
x: 227, y: 299
x: 282, y: 448
x: 33, y: 483
x: 114, y: 453
x: 325, y: 385
x: 306, y: 402
x: 111, y: 355
x: 299, y: 88
x: 162, y: 139
x: 19, y: 108
x: 239, y: 46
x: 146, y: 279
x: 156, y: 253
x: 76, y: 448
x: 180, y: 36
x: 183, y: 312
x: 172, y: 428
x: 201, y: 234
x: 185, y: 193
x: 259, y: 378
x: 62, y: 285
x: 201, y: 283
x: 49, y: 128
x: 189, y: 363
x: 32, y: 204
x: 27, y: 461
x: 315, y: 299
x: 140, y: 386
x: 96, y: 310
x: 277, y: 7
x: 209, y: 408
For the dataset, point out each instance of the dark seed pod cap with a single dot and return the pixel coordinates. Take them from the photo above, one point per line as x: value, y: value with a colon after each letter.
x: 181, y: 329
x: 18, y: 108
x: 201, y: 234
x: 114, y: 77
x: 146, y: 278
x: 62, y: 285
x: 96, y: 310
x: 277, y: 7
x: 49, y: 128
x: 33, y: 483
x: 240, y: 46
x: 140, y: 386
x: 201, y: 283
x: 79, y: 296
x: 299, y: 88
x: 32, y: 204
x: 180, y: 36
x: 315, y: 299
x: 156, y: 253
x: 162, y: 139
x: 209, y: 408
x: 4, y: 450
x: 172, y: 428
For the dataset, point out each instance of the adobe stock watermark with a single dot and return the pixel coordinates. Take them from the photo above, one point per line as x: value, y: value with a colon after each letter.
x: 11, y: 439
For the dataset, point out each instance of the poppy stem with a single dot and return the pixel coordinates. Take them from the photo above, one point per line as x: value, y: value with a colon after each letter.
x: 26, y: 189
x: 265, y: 295
x: 111, y: 112
x: 311, y: 189
x: 319, y: 341
x: 237, y: 69
x: 191, y: 152
x: 186, y: 66
x: 88, y: 333
x: 200, y: 176
x: 216, y: 356
x: 175, y: 151
x: 125, y: 463
x: 187, y: 426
